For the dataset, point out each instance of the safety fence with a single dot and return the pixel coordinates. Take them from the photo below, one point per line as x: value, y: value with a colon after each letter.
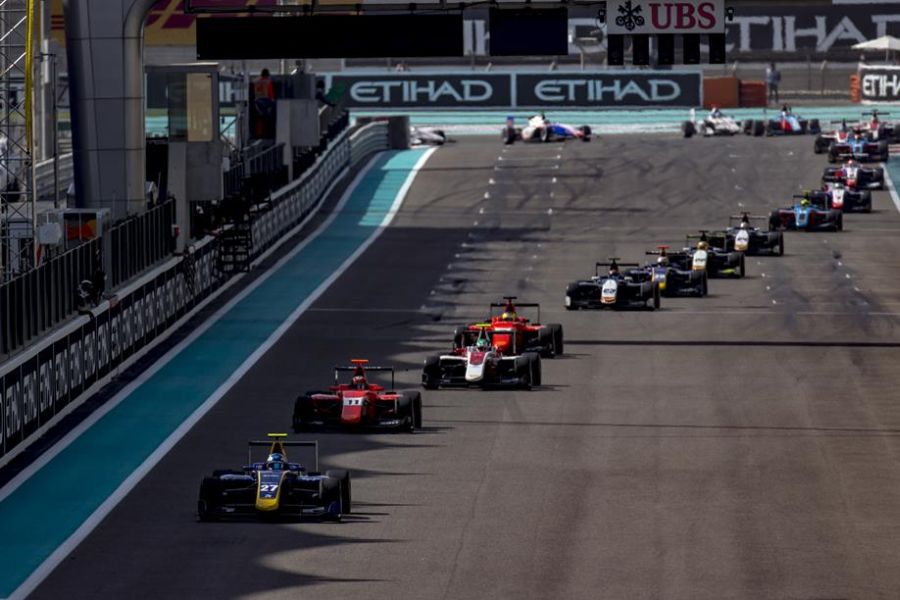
x: 36, y: 301
x: 56, y: 373
x: 141, y: 242
x: 293, y: 203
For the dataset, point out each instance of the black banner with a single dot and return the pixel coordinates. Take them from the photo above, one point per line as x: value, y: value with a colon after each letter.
x: 35, y: 389
x: 568, y: 90
x: 436, y: 90
x: 879, y: 85
x: 509, y: 90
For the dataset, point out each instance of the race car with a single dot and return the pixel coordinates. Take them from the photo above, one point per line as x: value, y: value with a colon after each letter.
x: 541, y: 129
x: 624, y: 285
x: 428, y: 136
x: 275, y: 487
x: 678, y: 278
x: 855, y: 176
x: 701, y: 255
x: 359, y: 404
x: 517, y: 331
x: 807, y: 214
x: 715, y: 123
x: 839, y: 135
x: 787, y: 123
x: 858, y: 147
x: 840, y: 198
x: 742, y: 236
x: 481, y: 361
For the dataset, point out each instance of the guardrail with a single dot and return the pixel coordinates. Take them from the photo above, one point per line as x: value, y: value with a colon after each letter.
x: 34, y: 302
x: 140, y: 242
x: 59, y: 371
x: 293, y: 203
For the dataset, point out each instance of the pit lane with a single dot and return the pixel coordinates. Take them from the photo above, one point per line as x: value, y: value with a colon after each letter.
x: 739, y: 446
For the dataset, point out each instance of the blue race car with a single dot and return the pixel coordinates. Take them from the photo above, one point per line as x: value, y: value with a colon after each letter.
x: 859, y: 147
x: 275, y: 488
x: 790, y: 124
x: 810, y: 212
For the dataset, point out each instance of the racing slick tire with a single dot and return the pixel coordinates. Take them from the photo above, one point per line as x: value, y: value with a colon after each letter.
x: 839, y: 223
x: 431, y: 373
x: 759, y: 128
x: 657, y: 297
x: 780, y: 243
x: 883, y: 152
x: 534, y: 368
x: 768, y: 128
x: 586, y: 133
x: 508, y: 134
x: 688, y: 128
x: 297, y: 421
x: 867, y: 202
x: 342, y: 478
x: 209, y: 489
x: 814, y: 127
x: 558, y: 345
x: 747, y: 126
x: 545, y: 135
x: 820, y: 146
x: 410, y: 410
x: 774, y: 221
x: 742, y: 269
x: 704, y: 285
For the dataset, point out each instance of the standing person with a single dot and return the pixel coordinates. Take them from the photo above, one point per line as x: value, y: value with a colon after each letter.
x: 264, y: 105
x: 773, y: 79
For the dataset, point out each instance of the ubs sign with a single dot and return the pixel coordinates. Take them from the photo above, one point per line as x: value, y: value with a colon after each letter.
x: 673, y: 16
x: 607, y: 89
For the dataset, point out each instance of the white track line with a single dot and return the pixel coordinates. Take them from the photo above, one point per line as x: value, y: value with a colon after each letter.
x: 890, y: 186
x: 98, y: 515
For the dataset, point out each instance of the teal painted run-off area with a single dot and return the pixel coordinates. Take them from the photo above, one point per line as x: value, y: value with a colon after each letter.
x: 50, y: 506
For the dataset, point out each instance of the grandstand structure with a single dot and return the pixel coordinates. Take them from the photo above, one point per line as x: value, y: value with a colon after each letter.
x: 17, y: 210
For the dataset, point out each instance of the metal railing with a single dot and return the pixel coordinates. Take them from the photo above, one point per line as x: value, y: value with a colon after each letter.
x: 36, y: 301
x: 140, y: 242
x: 292, y: 204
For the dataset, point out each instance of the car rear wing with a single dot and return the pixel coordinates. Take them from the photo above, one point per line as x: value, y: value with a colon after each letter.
x: 749, y: 217
x: 511, y: 299
x: 598, y: 265
x: 338, y: 369
x: 707, y: 236
x: 277, y: 442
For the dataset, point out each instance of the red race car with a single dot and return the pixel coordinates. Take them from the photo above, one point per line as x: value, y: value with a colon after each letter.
x: 359, y: 404
x: 509, y: 330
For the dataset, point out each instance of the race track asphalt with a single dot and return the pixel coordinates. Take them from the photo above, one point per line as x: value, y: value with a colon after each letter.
x: 745, y: 445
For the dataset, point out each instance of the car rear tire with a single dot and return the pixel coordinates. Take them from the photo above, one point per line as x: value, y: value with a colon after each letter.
x: 689, y: 129
x: 759, y: 128
x: 839, y: 226
x: 781, y: 244
x: 534, y: 368
x: 742, y: 269
x: 431, y: 373
x: 704, y: 286
x: 343, y: 477
x: 657, y: 297
x: 209, y: 489
x: 558, y: 345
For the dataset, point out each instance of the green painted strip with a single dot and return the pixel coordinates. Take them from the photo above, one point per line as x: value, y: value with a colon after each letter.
x: 48, y: 508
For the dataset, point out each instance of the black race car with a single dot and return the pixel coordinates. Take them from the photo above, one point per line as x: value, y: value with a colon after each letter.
x: 808, y: 213
x: 676, y: 279
x: 717, y: 261
x: 742, y: 236
x: 275, y: 487
x: 623, y: 285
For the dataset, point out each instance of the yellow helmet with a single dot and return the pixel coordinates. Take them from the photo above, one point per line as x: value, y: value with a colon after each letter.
x: 702, y: 245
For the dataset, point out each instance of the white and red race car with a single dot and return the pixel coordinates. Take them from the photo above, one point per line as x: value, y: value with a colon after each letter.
x: 541, y: 129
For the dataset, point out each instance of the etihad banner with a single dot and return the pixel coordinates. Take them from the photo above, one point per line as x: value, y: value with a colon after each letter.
x: 791, y: 31
x: 879, y: 85
x: 557, y: 89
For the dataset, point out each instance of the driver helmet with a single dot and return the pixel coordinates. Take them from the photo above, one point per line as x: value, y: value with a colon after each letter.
x: 745, y: 224
x: 663, y: 261
x: 359, y: 382
x: 508, y: 316
x: 804, y: 202
x: 482, y: 343
x: 275, y: 462
x: 702, y: 245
